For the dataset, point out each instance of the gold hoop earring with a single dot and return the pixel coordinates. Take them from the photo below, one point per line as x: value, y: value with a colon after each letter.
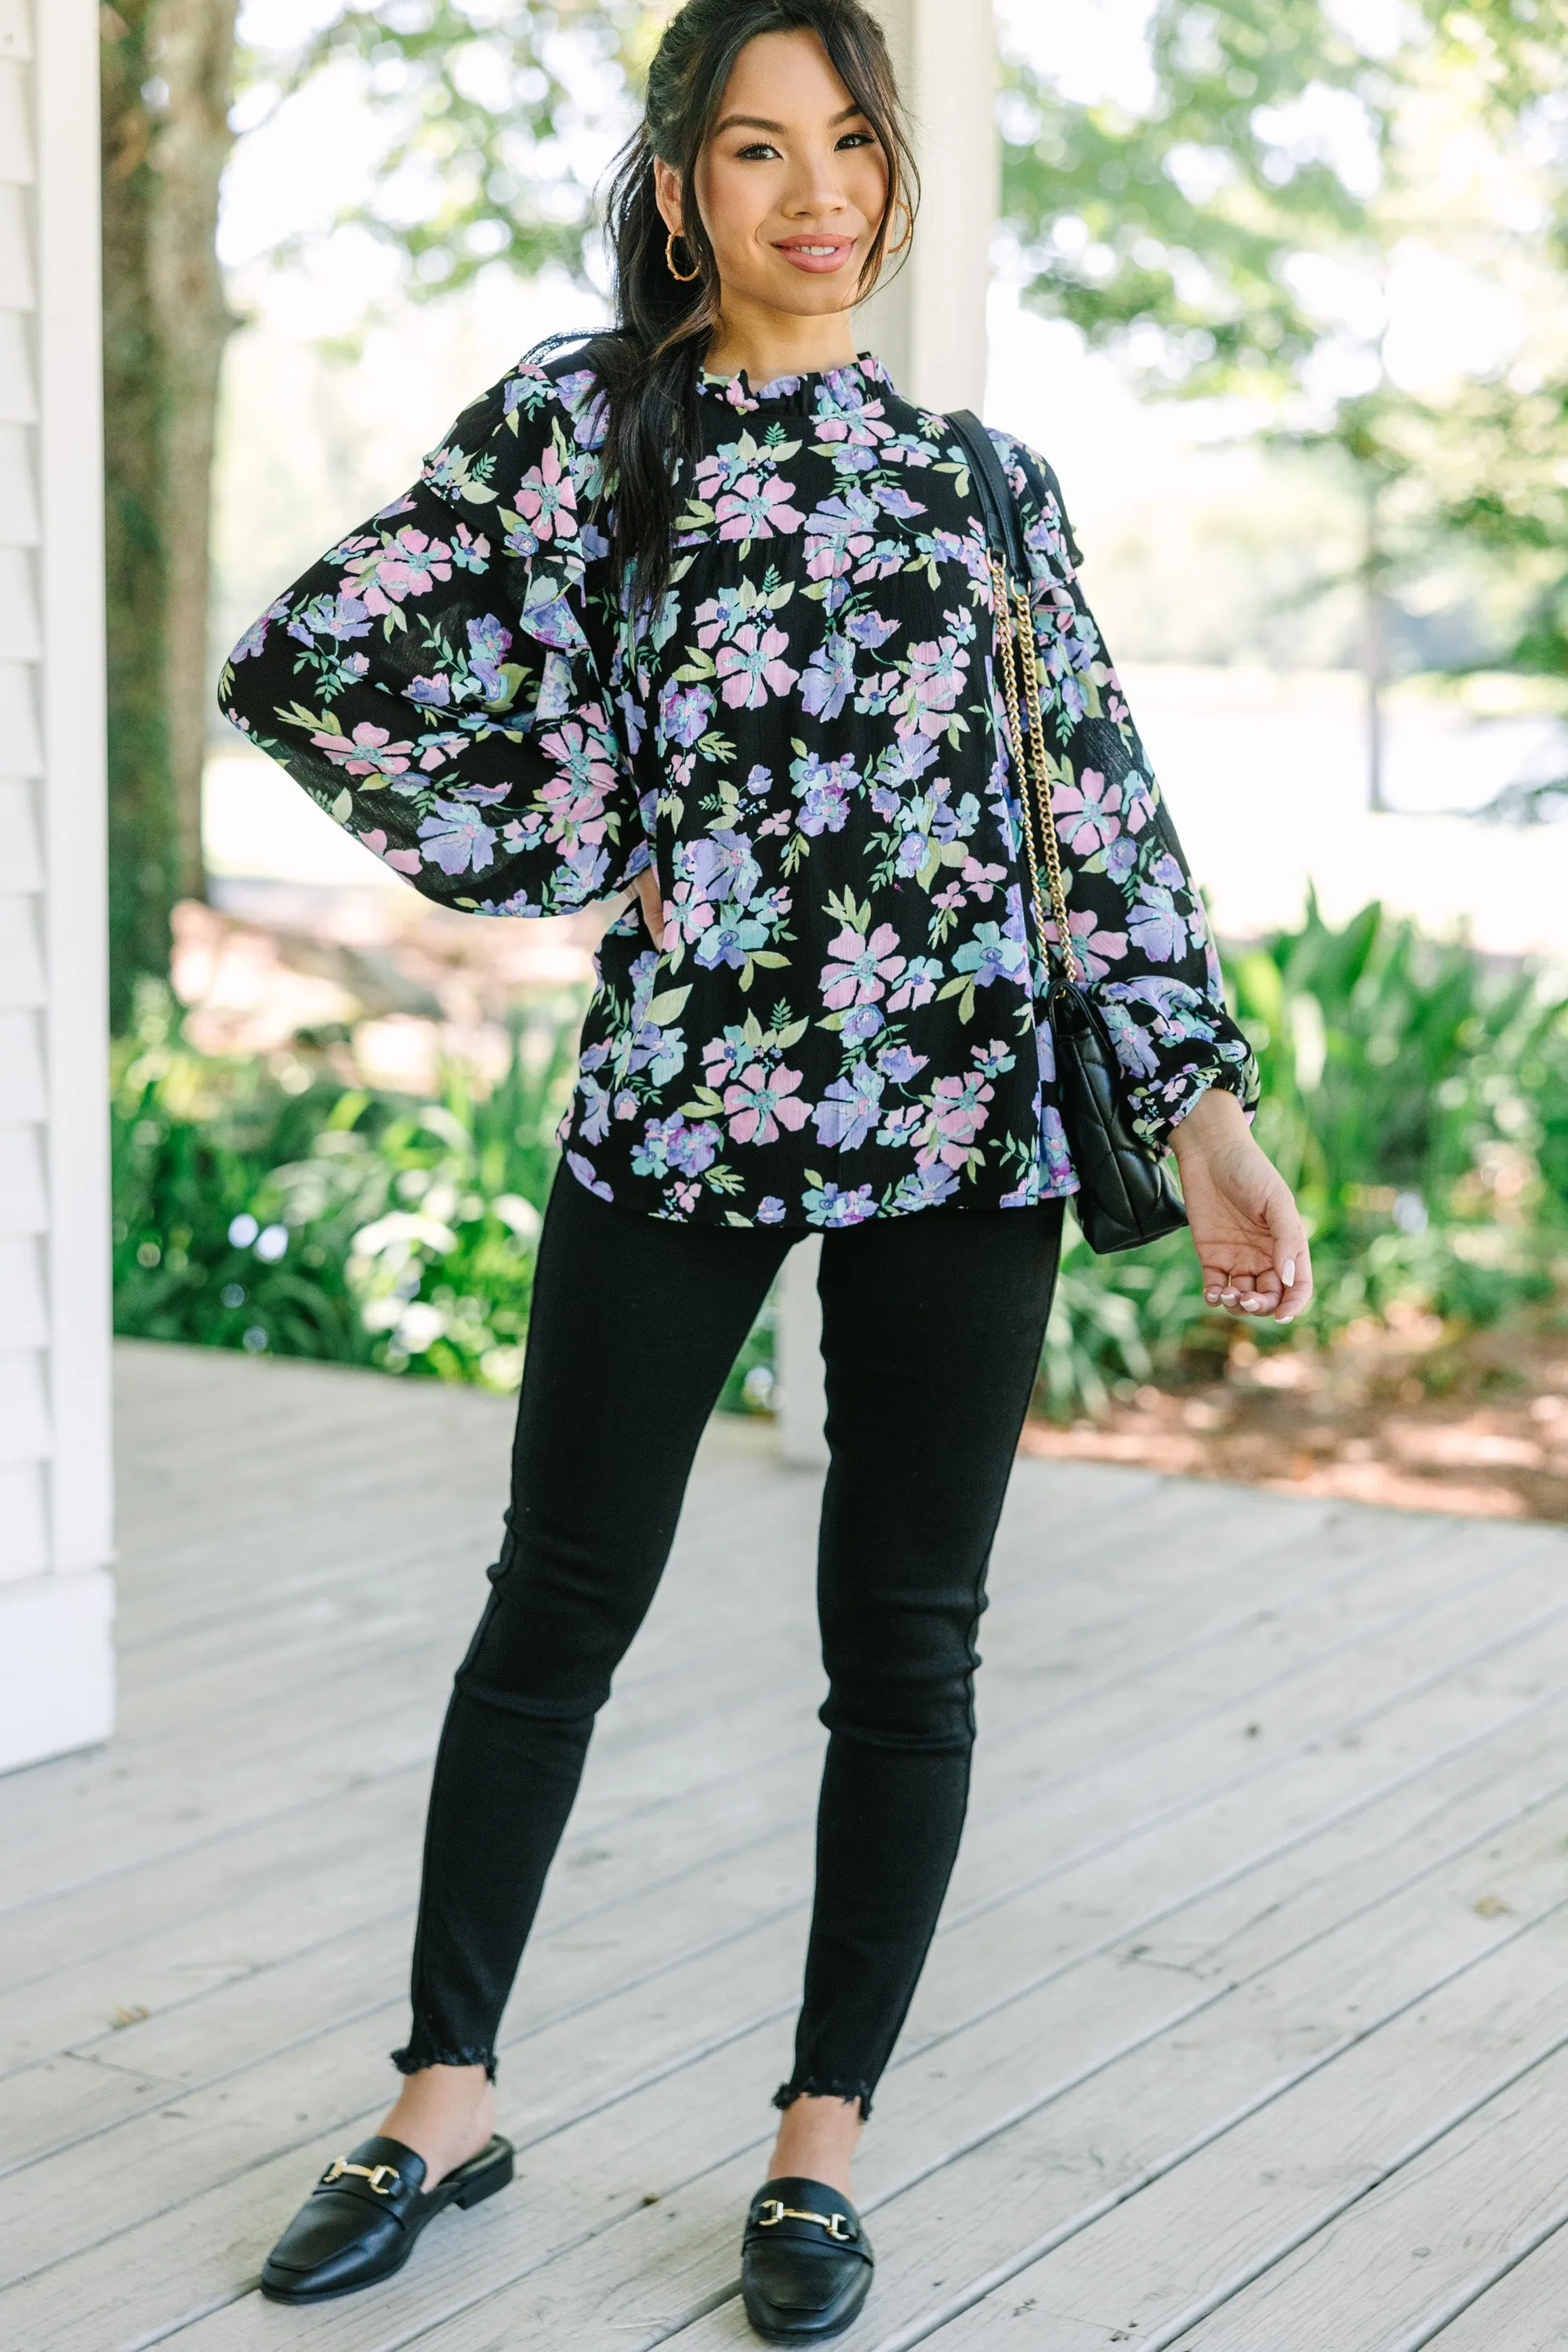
x: 907, y: 238
x: 683, y: 278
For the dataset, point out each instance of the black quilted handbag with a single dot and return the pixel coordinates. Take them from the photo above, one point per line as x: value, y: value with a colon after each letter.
x: 1125, y: 1193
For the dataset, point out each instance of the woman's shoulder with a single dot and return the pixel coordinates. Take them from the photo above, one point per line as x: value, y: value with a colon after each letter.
x: 1039, y: 496
x: 549, y: 402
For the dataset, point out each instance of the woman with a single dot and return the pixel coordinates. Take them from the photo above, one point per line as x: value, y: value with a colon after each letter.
x: 701, y: 613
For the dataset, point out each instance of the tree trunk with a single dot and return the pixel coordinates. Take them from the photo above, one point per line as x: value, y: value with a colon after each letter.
x: 167, y: 86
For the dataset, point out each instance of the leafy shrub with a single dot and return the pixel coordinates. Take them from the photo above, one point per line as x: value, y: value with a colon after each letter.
x: 1415, y: 1098
x: 263, y: 1205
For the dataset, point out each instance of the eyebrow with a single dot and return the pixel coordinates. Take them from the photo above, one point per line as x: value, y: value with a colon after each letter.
x: 760, y: 122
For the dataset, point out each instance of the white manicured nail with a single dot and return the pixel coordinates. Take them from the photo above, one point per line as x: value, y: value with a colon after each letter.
x: 1287, y: 1271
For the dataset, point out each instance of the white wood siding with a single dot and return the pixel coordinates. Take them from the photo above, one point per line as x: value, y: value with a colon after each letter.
x: 56, y: 1679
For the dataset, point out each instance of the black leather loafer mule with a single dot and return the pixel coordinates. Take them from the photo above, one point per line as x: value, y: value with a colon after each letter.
x: 360, y: 2221
x: 805, y: 2262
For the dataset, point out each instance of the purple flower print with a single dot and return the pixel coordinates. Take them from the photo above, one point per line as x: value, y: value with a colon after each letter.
x: 924, y: 1188
x: 899, y: 1066
x: 753, y: 665
x: 1157, y: 930
x: 730, y: 940
x: 369, y: 751
x: 669, y: 1146
x: 824, y: 793
x: 583, y: 1171
x: 457, y: 838
x: 721, y: 865
x: 488, y: 646
x: 756, y: 509
x: 338, y: 617
x: 255, y: 637
x: 862, y: 967
x: 760, y: 1103
x: 684, y: 712
x: 826, y: 1205
x: 459, y: 685
x: 849, y: 1109
x: 829, y: 678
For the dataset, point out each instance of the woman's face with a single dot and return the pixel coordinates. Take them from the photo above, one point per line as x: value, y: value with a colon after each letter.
x: 792, y: 184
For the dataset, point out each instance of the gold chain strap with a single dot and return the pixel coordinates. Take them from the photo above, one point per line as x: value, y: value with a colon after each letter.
x: 1015, y: 621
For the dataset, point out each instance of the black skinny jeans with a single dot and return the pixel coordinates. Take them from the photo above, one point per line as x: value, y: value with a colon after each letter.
x: 931, y: 1332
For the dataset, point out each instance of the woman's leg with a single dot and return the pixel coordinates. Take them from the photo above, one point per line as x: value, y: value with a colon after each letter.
x: 634, y: 1326
x: 932, y: 1330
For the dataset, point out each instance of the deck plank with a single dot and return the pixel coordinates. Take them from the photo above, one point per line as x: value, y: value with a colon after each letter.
x: 1263, y: 1866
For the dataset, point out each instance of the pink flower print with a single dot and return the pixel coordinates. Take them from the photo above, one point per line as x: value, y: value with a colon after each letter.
x: 547, y: 499
x: 762, y: 1102
x: 958, y: 1112
x: 758, y: 509
x: 408, y: 565
x: 752, y: 665
x: 1097, y: 950
x: 402, y: 861
x: 937, y: 678
x: 982, y: 879
x: 841, y: 531
x: 863, y: 969
x: 1087, y: 812
x: 370, y: 751
x: 583, y: 757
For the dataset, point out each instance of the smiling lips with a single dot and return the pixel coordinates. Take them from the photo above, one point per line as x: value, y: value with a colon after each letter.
x: 817, y: 253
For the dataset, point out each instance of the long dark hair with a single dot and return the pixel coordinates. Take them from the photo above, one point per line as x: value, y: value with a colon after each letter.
x: 649, y: 364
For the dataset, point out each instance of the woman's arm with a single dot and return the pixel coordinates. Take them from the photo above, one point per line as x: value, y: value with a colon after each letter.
x: 1138, y: 929
x: 1140, y: 933
x: 431, y: 683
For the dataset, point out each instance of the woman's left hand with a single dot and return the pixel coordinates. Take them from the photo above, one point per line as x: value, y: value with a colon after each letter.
x: 1247, y: 1229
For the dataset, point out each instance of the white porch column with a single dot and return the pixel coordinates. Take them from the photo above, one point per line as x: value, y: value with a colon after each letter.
x: 56, y: 1688
x: 929, y: 325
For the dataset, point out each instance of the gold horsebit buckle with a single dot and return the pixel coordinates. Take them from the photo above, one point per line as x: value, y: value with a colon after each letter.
x: 772, y: 2212
x: 383, y: 2177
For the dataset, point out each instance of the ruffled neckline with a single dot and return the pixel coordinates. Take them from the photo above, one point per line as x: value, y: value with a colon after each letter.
x: 858, y: 379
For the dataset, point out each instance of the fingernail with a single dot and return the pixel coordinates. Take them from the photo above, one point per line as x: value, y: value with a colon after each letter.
x: 1288, y: 1272
x: 1211, y: 1297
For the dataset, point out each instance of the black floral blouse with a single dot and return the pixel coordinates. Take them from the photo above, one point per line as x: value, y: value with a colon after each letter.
x: 807, y: 739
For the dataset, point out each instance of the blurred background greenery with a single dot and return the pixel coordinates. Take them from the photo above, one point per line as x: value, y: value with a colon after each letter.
x: 1280, y: 285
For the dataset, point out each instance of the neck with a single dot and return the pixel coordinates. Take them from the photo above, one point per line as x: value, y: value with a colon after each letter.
x: 769, y: 344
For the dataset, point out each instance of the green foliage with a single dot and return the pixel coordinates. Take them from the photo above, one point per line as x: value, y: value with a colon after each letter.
x: 496, y: 119
x: 1416, y: 1099
x: 1239, y: 236
x: 261, y: 1205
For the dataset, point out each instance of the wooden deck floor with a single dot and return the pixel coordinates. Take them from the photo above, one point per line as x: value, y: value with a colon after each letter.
x: 1247, y: 2028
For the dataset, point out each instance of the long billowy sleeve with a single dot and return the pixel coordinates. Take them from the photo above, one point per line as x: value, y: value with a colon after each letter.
x: 1138, y: 922
x: 431, y: 682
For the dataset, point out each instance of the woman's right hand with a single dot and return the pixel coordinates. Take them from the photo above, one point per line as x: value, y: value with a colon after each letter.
x: 651, y: 900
